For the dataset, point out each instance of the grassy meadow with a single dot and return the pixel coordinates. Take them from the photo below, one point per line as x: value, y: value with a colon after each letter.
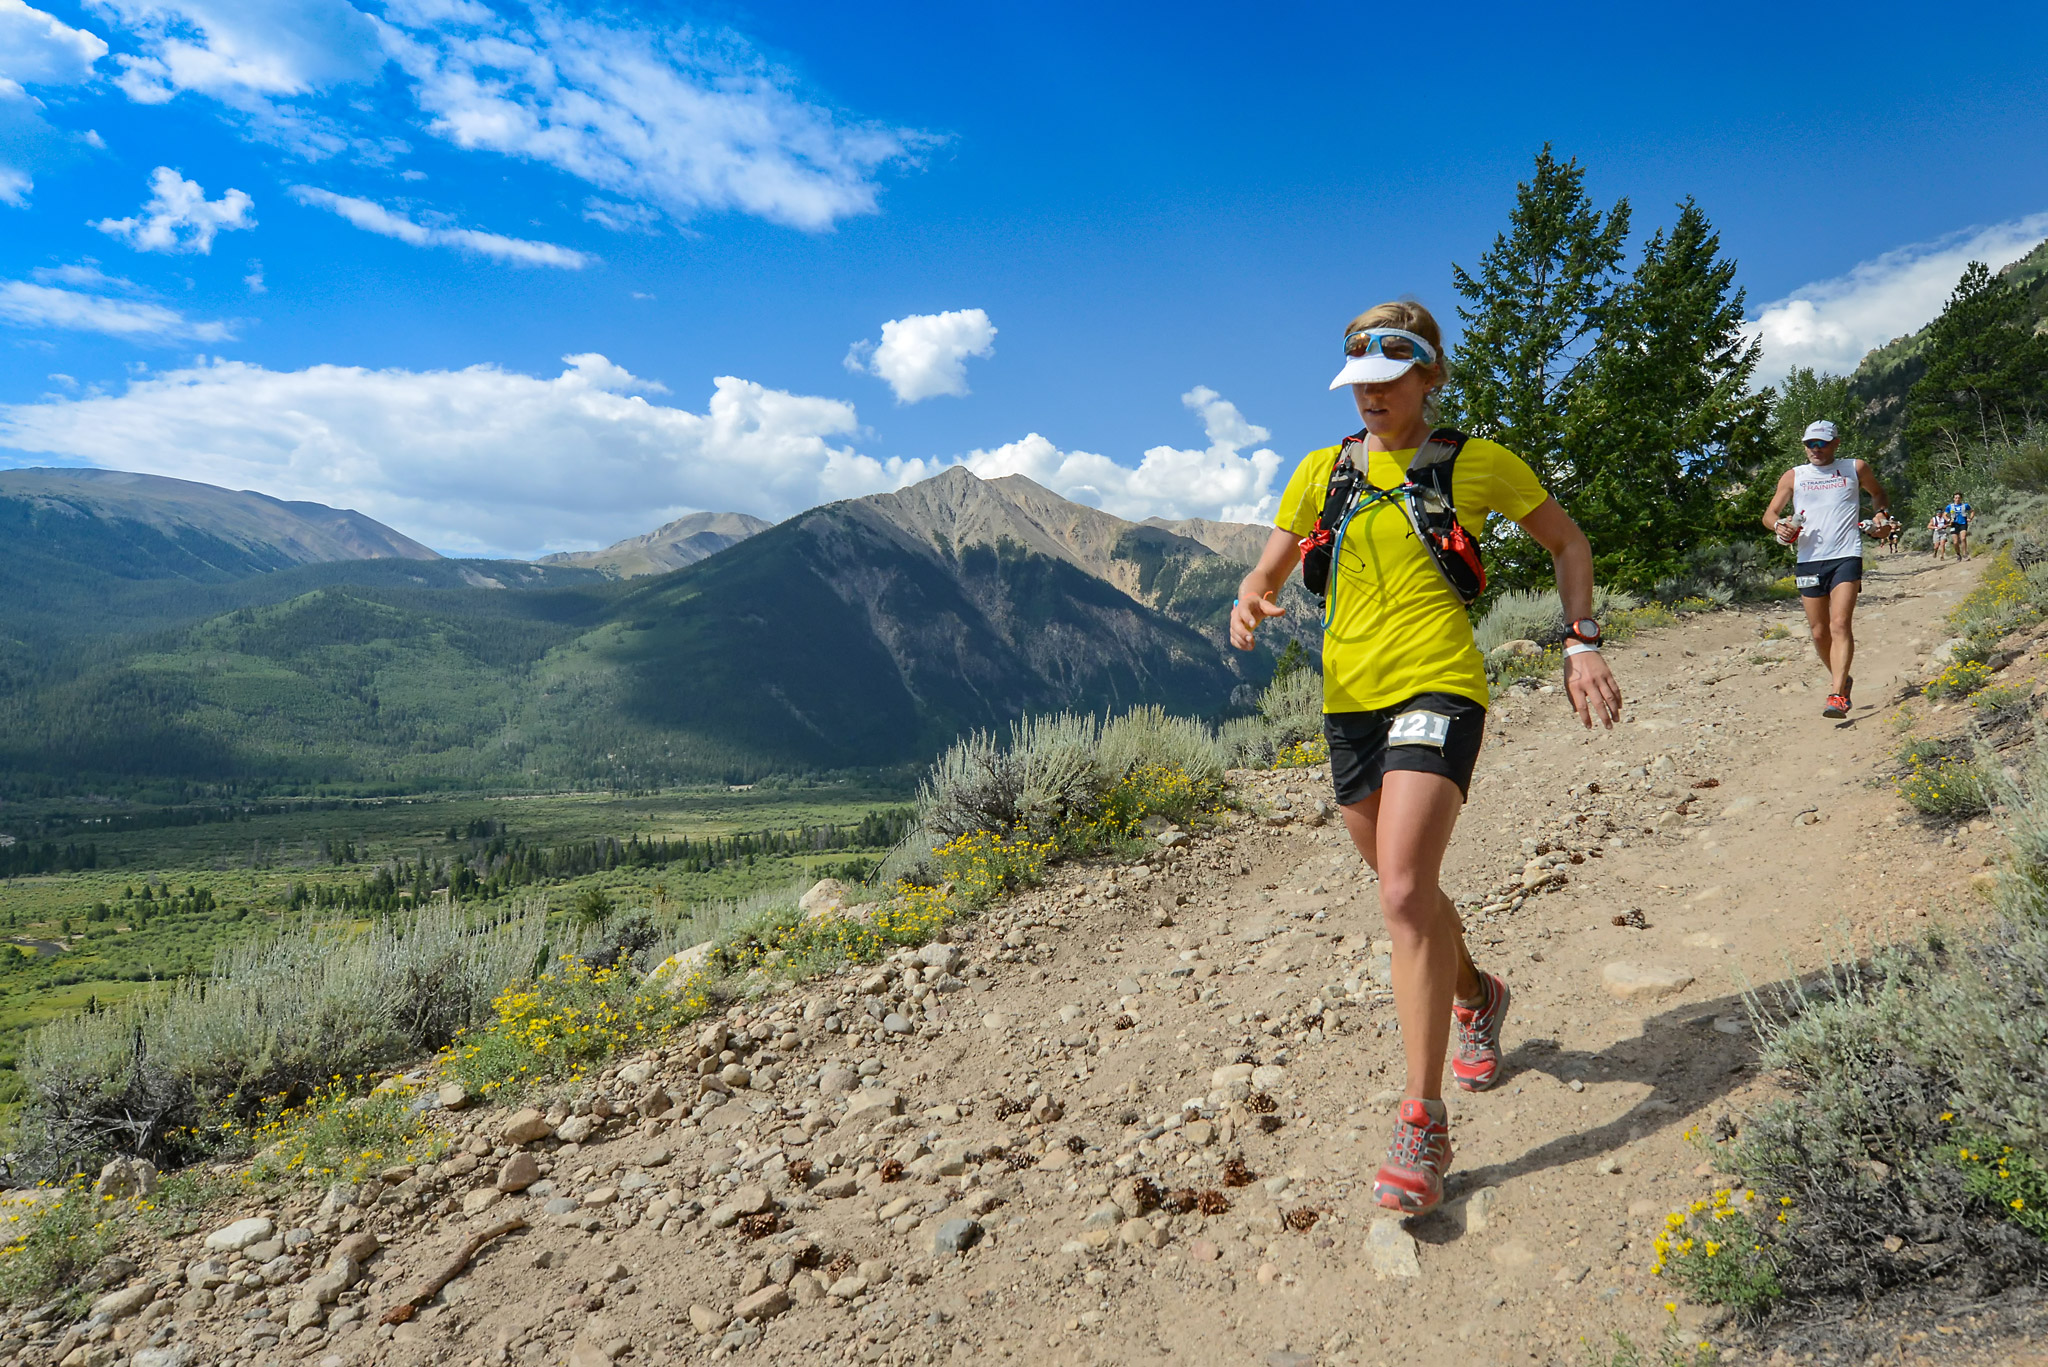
x: 172, y: 886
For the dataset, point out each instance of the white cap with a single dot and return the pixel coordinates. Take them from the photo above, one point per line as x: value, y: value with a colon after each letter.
x: 1820, y: 429
x: 1373, y: 369
x: 1376, y: 367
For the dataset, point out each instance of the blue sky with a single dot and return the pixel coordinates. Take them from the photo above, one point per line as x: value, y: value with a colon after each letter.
x: 340, y: 251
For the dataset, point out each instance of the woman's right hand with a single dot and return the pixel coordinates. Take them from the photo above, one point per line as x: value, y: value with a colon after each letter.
x: 1246, y: 616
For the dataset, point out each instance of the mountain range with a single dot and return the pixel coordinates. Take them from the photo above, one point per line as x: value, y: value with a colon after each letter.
x: 171, y: 639
x: 682, y: 542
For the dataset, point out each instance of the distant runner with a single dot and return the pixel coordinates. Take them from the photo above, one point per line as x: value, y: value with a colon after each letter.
x: 1959, y: 518
x: 1404, y: 687
x: 1940, y: 531
x: 1827, y: 498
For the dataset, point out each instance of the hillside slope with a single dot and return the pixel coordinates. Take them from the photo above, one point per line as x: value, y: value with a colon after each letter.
x: 864, y: 633
x: 669, y: 547
x: 1881, y: 380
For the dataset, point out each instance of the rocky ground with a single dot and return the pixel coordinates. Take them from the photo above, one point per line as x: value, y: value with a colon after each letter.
x: 1134, y: 1115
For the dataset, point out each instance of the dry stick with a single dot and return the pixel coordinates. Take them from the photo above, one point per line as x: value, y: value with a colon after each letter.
x: 430, y: 1288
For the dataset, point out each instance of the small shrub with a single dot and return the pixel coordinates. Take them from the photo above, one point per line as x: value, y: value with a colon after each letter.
x: 1776, y: 631
x: 1958, y: 679
x: 337, y: 1135
x: 53, y: 1237
x: 2013, y: 1184
x: 1303, y: 754
x: 986, y: 864
x: 561, y: 1023
x: 1676, y: 1350
x: 1722, y: 1253
x: 1945, y: 787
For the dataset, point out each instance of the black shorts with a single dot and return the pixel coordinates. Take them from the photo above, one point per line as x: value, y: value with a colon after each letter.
x: 1431, y: 733
x: 1817, y: 578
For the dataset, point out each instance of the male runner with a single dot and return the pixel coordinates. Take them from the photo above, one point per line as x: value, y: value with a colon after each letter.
x: 1827, y: 496
x: 1959, y: 518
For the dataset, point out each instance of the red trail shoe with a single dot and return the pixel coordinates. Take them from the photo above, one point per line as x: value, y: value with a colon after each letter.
x: 1412, y: 1179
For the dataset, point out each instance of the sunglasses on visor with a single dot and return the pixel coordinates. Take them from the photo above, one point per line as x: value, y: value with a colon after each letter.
x: 1392, y: 343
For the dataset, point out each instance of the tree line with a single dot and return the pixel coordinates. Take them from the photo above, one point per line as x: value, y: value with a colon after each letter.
x: 503, y: 863
x: 1629, y: 387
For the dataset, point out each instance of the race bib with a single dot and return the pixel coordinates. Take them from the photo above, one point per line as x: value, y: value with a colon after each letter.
x: 1420, y: 728
x: 1806, y: 581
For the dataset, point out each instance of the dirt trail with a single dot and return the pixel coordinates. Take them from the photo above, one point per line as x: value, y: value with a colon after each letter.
x: 1108, y: 1030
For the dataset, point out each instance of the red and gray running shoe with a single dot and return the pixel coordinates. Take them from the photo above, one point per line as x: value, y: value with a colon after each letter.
x: 1412, y: 1179
x: 1476, y: 1065
x: 1837, y: 706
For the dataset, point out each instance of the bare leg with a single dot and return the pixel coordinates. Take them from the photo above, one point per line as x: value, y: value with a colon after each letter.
x: 1841, y: 608
x: 1817, y: 626
x: 1402, y: 830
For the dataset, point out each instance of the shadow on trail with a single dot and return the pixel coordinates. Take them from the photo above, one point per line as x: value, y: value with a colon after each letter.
x: 1679, y: 1053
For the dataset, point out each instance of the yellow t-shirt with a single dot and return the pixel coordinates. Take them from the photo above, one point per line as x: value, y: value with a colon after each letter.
x: 1396, y: 628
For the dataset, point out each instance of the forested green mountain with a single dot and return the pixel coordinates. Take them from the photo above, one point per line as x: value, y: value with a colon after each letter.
x: 1887, y: 375
x: 860, y: 634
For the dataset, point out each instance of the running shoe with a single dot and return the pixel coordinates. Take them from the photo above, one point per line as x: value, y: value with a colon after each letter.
x: 1837, y: 706
x: 1476, y: 1065
x: 1412, y: 1179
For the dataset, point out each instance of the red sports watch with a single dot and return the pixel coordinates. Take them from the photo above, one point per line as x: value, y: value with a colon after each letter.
x: 1585, y: 629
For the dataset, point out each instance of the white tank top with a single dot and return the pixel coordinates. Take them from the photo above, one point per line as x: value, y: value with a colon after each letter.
x: 1831, y: 496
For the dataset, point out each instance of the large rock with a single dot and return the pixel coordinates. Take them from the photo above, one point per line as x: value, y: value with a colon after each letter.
x: 827, y: 897
x: 835, y: 1079
x: 869, y: 1107
x: 521, y: 1171
x: 679, y: 968
x: 124, y: 1179
x: 526, y: 1127
x: 955, y: 1236
x: 766, y: 1303
x: 1391, y: 1249
x: 119, y: 1305
x: 576, y: 1129
x: 1644, y: 982
x: 240, y: 1235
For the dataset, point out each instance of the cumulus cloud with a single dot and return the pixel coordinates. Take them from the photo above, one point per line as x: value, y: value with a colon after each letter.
x: 1830, y: 324
x: 1218, y: 482
x: 671, y: 117
x: 15, y: 187
x: 925, y: 355
x: 473, y: 460
x: 39, y: 49
x: 23, y: 304
x: 179, y: 217
x: 265, y: 59
x: 674, y: 117
x: 375, y: 218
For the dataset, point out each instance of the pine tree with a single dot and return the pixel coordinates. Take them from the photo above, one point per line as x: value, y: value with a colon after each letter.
x: 1986, y: 376
x: 1532, y: 321
x: 1669, y: 444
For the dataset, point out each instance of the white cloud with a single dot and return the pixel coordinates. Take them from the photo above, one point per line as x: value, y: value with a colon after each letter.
x: 680, y: 119
x: 43, y: 306
x: 375, y: 218
x: 1219, y: 482
x: 40, y: 49
x: 254, y: 279
x: 925, y: 355
x: 1831, y: 324
x: 85, y: 275
x: 255, y: 56
x: 15, y: 187
x: 179, y: 217
x: 473, y: 460
x: 489, y: 460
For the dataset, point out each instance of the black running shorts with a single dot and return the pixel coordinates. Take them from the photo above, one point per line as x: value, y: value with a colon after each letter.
x: 1817, y: 578
x: 1431, y: 733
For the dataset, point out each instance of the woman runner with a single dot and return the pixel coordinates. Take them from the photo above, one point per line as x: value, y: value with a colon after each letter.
x: 1404, y: 703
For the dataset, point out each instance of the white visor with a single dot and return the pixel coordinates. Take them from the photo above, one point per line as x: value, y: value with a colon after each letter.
x: 1821, y: 430
x: 1373, y: 369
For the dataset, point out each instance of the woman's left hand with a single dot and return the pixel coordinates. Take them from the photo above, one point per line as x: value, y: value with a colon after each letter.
x: 1591, y: 687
